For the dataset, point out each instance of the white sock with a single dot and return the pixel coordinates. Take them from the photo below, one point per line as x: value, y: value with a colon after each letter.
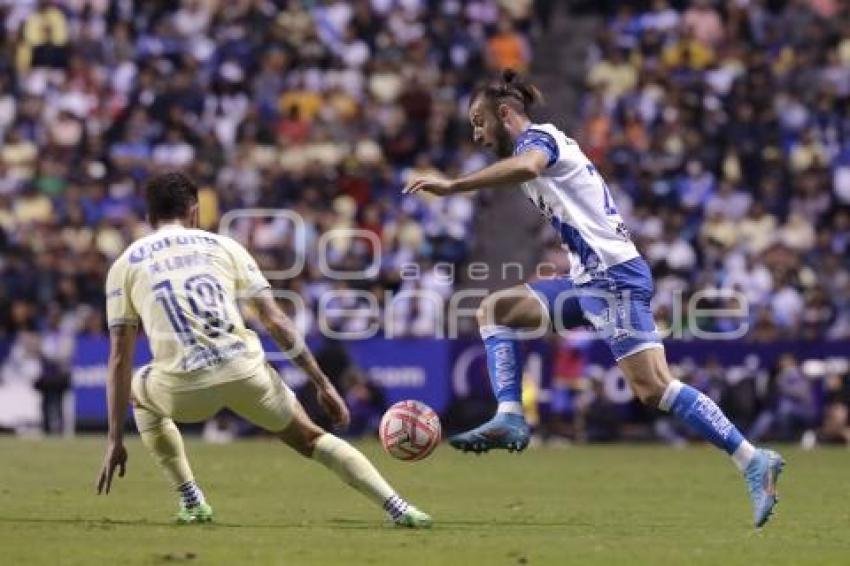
x: 191, y: 494
x: 513, y: 407
x: 743, y: 455
x: 357, y: 471
x: 669, y: 395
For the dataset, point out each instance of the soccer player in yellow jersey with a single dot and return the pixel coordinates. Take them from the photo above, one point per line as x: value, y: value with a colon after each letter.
x: 184, y: 286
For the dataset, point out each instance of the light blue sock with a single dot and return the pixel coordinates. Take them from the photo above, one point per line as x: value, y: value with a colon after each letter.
x: 705, y: 417
x: 504, y: 363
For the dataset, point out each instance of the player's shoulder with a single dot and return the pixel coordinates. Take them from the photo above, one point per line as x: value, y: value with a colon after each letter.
x: 121, y: 264
x: 229, y: 243
x: 564, y: 151
x: 132, y: 251
x: 237, y: 252
x: 553, y: 131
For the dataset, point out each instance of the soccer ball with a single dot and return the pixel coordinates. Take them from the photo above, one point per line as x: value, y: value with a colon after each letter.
x: 410, y: 430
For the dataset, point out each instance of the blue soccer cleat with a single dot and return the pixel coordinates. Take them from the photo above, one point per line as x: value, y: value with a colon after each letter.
x: 762, y: 474
x: 506, y: 430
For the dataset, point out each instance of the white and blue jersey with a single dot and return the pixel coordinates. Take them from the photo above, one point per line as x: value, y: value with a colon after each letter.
x: 609, y: 285
x: 575, y: 199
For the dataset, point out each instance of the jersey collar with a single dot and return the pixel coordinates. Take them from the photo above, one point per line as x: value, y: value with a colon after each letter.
x: 171, y: 226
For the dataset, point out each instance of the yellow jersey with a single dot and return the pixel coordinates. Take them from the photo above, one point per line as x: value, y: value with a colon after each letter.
x: 182, y: 285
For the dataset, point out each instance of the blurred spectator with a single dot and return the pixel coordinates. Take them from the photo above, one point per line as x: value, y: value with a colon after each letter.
x: 703, y: 21
x: 45, y: 38
x: 365, y: 401
x: 597, y: 418
x: 836, y: 423
x: 791, y: 403
x: 19, y: 373
x: 614, y: 75
x: 272, y: 105
x: 57, y: 350
x: 507, y: 48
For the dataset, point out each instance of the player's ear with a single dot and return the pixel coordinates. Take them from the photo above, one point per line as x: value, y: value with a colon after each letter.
x: 503, y: 111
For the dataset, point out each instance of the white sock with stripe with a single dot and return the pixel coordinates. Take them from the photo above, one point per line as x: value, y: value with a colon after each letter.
x: 190, y: 494
x: 396, y: 506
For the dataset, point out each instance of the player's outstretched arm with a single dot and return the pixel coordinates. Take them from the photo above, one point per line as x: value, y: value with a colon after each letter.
x: 508, y: 172
x: 122, y: 347
x: 292, y: 344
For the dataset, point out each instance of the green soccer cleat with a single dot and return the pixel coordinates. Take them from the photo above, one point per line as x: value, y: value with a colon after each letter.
x: 202, y: 513
x: 413, y: 518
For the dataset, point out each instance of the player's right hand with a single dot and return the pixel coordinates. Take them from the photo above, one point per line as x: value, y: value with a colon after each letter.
x: 116, y: 457
x: 434, y: 185
x: 333, y: 405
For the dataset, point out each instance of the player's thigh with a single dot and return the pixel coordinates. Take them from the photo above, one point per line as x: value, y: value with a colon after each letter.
x: 558, y: 302
x: 154, y: 396
x: 515, y: 307
x: 617, y: 305
x: 263, y: 399
x: 145, y: 414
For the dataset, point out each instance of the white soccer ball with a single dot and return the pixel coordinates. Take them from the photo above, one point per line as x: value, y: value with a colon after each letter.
x: 410, y: 430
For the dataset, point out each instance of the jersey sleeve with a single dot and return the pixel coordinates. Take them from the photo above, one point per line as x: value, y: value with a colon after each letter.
x: 249, y: 279
x: 539, y: 140
x: 119, y: 307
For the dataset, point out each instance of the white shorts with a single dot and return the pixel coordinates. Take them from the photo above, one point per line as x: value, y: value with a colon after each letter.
x: 263, y: 399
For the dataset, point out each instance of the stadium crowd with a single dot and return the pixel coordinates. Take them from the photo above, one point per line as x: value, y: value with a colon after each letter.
x: 322, y: 108
x: 725, y: 129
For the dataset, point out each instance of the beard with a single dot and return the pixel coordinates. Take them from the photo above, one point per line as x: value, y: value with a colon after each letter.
x: 504, y: 144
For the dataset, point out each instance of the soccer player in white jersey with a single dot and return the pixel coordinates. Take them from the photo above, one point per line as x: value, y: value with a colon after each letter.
x: 184, y: 287
x: 609, y: 285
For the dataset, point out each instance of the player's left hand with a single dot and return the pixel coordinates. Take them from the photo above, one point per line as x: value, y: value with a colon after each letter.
x: 333, y: 405
x: 434, y: 185
x: 116, y: 457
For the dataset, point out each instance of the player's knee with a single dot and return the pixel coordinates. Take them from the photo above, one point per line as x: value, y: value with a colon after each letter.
x: 648, y: 390
x: 501, y: 309
x: 301, y: 444
x: 486, y: 315
x: 650, y: 398
x: 301, y: 439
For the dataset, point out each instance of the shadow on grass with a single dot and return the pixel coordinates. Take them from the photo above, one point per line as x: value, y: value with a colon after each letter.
x: 105, y: 523
x: 467, y: 524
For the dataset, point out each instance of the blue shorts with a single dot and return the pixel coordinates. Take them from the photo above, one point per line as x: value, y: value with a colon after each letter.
x: 615, y: 302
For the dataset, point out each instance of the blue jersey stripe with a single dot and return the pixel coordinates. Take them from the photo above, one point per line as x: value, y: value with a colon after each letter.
x: 539, y: 140
x: 573, y: 238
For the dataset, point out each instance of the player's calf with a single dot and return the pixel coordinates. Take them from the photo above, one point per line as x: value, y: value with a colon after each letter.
x: 647, y: 372
x: 163, y: 440
x: 501, y: 318
x: 352, y: 467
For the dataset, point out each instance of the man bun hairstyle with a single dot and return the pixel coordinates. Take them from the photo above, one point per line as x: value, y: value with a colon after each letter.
x: 510, y: 89
x: 169, y: 196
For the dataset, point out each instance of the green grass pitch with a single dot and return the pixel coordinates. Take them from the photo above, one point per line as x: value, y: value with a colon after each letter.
x: 590, y: 505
